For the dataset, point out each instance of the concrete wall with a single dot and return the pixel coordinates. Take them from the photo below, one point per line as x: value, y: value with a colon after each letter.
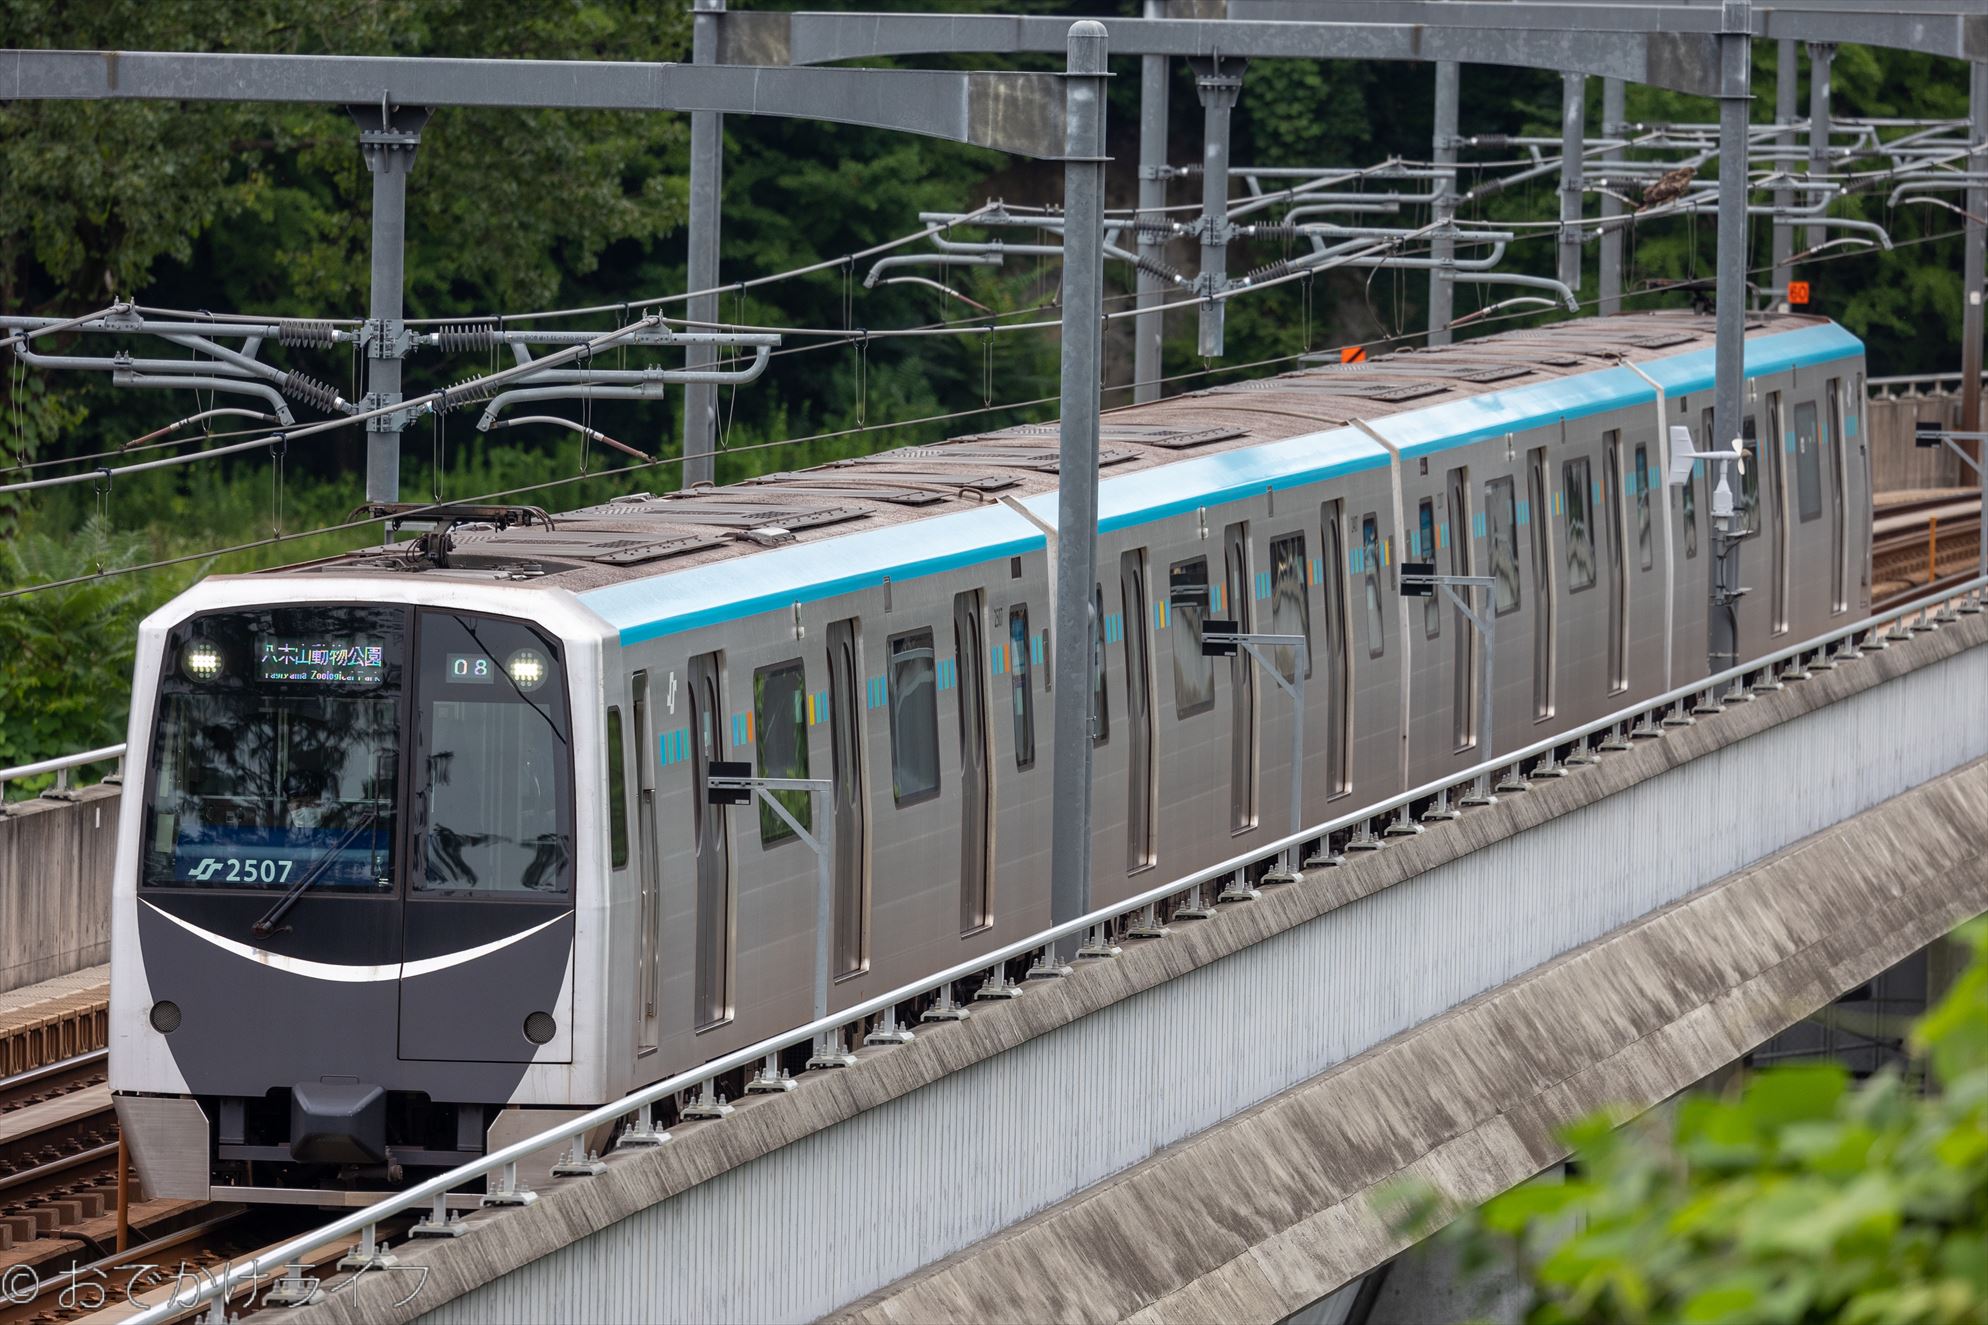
x: 1897, y: 465
x: 935, y: 1158
x: 55, y: 867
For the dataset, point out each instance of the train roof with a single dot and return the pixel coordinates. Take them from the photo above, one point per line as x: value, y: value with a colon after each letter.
x: 1156, y: 459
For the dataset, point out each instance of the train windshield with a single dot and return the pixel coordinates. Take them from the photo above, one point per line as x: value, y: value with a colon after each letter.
x: 310, y: 746
x: 277, y: 752
x: 494, y: 759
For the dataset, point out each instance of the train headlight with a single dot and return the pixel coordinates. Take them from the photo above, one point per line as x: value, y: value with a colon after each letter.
x: 201, y: 661
x: 165, y: 1016
x: 526, y: 669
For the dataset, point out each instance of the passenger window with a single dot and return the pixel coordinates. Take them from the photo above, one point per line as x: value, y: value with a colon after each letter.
x: 617, y: 793
x: 1578, y: 497
x: 1100, y: 697
x: 1019, y: 674
x: 1808, y: 462
x: 1370, y: 559
x: 1501, y: 514
x: 1425, y: 548
x: 1187, y: 604
x: 780, y: 722
x: 1290, y: 604
x: 1642, y: 481
x: 914, y: 718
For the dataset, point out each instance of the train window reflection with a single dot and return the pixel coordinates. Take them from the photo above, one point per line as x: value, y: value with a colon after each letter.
x: 1370, y: 559
x: 1020, y: 683
x: 1290, y: 602
x: 1641, y: 478
x: 495, y: 764
x: 1187, y: 605
x: 1501, y: 514
x: 1577, y: 496
x: 779, y: 709
x: 265, y: 779
x: 1808, y: 461
x: 914, y: 718
x: 1425, y: 550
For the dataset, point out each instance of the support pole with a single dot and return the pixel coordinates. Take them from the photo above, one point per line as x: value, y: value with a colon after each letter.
x: 707, y: 176
x: 1573, y: 133
x: 123, y: 1193
x: 1973, y: 273
x: 1787, y: 73
x: 1077, y: 493
x: 1149, y: 329
x: 1729, y: 355
x: 1442, y: 246
x: 1218, y: 82
x: 388, y: 137
x: 1821, y: 55
x: 1614, y: 111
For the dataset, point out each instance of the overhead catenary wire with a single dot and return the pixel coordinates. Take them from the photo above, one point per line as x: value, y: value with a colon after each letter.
x: 652, y: 463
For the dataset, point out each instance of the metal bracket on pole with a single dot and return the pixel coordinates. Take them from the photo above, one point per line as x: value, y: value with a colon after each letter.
x: 388, y: 138
x: 1928, y: 434
x: 731, y: 782
x: 1420, y: 580
x: 1442, y: 245
x: 1221, y: 639
x: 1573, y: 132
x: 1218, y: 82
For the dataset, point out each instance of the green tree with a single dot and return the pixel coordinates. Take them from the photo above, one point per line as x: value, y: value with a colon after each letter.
x: 65, y: 655
x: 1807, y: 1198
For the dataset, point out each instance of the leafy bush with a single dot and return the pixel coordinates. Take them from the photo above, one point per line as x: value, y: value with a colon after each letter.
x: 1805, y: 1199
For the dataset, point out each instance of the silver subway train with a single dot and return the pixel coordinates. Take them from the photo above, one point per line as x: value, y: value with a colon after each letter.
x: 416, y: 852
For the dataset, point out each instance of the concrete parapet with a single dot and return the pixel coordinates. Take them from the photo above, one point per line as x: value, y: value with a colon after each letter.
x: 55, y: 874
x: 1458, y: 994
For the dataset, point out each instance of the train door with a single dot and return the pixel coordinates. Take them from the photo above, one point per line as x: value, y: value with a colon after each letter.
x: 1543, y: 584
x: 493, y: 836
x: 1338, y: 655
x: 1463, y: 697
x: 1772, y: 458
x: 647, y: 863
x: 711, y: 833
x: 1242, y: 683
x: 1139, y: 851
x: 976, y: 909
x: 1614, y: 508
x: 1838, y: 446
x: 845, y: 727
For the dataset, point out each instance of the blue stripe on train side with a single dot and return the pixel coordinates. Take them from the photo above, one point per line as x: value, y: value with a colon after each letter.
x: 777, y: 578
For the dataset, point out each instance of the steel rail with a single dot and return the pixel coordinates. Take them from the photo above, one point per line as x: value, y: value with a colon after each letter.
x: 55, y: 1069
x: 435, y: 1190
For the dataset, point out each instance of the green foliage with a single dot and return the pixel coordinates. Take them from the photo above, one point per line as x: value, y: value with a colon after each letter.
x: 65, y: 654
x: 1805, y: 1199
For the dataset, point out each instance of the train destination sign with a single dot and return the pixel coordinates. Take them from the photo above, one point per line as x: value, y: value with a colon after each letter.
x: 320, y: 662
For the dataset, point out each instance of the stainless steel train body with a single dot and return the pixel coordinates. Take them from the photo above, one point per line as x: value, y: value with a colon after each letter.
x: 495, y: 763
